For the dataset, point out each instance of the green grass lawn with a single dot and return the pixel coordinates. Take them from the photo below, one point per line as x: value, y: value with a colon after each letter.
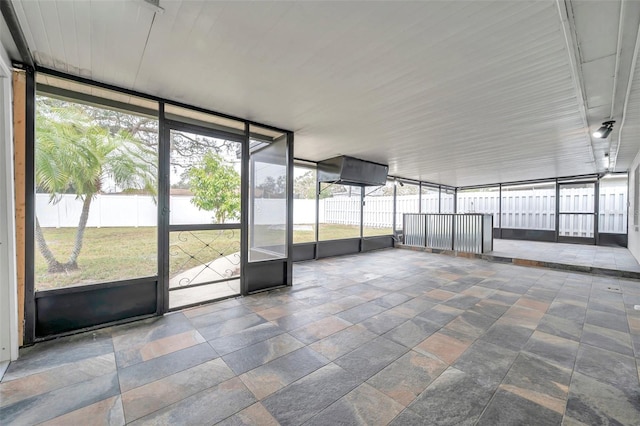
x: 329, y: 231
x: 110, y: 254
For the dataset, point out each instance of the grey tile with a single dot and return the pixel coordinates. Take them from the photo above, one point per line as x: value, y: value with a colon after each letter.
x: 607, y: 366
x: 371, y: 357
x: 108, y: 411
x: 469, y: 397
x: 383, y: 322
x: 531, y: 374
x: 226, y: 327
x: 244, y: 338
x: 461, y: 301
x: 60, y: 401
x: 300, y: 319
x: 157, y: 368
x: 343, y: 342
x: 408, y: 418
x: 593, y: 402
x: 300, y: 401
x: 408, y: 376
x: 60, y: 352
x: 604, y: 306
x: 414, y: 307
x: 606, y: 338
x: 487, y: 362
x: 509, y: 409
x: 274, y: 375
x: 616, y: 322
x: 560, y: 327
x: 553, y: 348
x: 412, y: 332
x: 392, y: 299
x: 505, y: 297
x: 489, y: 308
x: 441, y: 315
x: 217, y: 317
x: 143, y: 400
x: 362, y: 406
x: 361, y: 312
x: 512, y: 337
x: 131, y: 335
x: 230, y: 397
x: 256, y: 355
x: 255, y: 414
x: 567, y: 311
x: 13, y: 391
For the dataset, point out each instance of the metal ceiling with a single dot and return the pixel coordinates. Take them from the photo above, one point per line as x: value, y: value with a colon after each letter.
x: 453, y: 92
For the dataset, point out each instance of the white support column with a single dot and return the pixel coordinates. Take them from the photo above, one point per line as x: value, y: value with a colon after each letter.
x: 8, y: 281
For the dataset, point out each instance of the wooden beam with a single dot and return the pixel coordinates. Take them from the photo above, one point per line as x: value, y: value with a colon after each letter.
x: 19, y: 148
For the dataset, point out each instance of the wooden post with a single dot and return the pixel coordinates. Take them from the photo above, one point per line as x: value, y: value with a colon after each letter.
x: 19, y: 146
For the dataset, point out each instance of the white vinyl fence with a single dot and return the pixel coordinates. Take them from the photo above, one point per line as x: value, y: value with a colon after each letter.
x: 526, y: 209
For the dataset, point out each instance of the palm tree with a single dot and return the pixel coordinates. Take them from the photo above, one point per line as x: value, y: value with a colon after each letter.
x: 74, y: 155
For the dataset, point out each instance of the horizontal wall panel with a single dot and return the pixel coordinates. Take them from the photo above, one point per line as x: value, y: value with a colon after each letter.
x: 76, y: 308
x: 303, y: 252
x: 376, y: 243
x: 338, y: 247
x: 264, y: 275
x: 613, y: 240
x: 528, y: 234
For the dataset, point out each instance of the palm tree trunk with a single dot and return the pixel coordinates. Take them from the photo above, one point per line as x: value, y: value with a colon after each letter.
x: 82, y: 224
x: 53, y: 265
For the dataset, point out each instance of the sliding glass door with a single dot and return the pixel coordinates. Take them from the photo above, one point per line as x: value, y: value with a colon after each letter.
x: 577, y: 213
x: 203, y: 256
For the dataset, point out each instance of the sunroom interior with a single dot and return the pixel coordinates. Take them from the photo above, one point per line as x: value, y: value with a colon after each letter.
x: 174, y: 178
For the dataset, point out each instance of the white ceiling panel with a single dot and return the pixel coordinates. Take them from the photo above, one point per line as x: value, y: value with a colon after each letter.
x: 6, y: 40
x: 597, y: 24
x: 453, y: 92
x: 630, y: 132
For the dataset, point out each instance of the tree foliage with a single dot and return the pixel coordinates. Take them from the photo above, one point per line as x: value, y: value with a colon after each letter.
x: 74, y: 154
x: 215, y: 186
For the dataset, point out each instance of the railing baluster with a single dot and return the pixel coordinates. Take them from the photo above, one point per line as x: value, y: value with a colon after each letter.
x: 459, y: 232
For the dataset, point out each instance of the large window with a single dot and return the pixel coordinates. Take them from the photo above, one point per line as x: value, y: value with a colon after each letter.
x: 96, y: 193
x: 531, y: 206
x: 378, y: 210
x: 447, y: 200
x: 613, y: 204
x: 430, y: 199
x: 407, y: 200
x: 268, y: 198
x: 304, y: 204
x: 339, y: 211
x: 480, y: 200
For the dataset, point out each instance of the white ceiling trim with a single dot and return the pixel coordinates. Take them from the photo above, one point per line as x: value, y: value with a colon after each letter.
x: 576, y: 74
x: 628, y: 94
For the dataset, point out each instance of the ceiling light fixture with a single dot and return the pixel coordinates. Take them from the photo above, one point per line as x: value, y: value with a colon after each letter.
x: 604, y: 130
x: 153, y: 5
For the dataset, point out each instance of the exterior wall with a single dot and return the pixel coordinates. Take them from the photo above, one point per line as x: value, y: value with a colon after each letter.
x: 634, y: 228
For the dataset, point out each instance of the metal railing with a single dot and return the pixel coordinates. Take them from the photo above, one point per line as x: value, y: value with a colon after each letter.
x: 472, y: 233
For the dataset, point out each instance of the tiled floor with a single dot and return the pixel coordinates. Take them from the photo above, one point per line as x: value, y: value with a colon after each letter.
x: 572, y: 254
x: 390, y: 337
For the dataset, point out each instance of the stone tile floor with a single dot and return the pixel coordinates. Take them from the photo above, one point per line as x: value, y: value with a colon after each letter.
x: 389, y: 337
x: 618, y: 258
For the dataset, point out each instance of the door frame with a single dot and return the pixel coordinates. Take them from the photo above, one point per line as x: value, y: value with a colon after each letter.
x: 578, y: 240
x: 164, y: 206
x: 8, y: 269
